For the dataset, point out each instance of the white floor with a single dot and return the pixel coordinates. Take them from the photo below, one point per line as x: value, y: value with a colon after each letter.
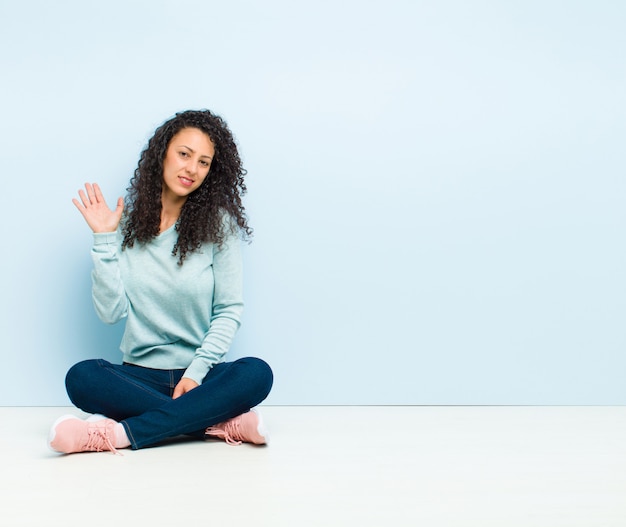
x: 335, y: 466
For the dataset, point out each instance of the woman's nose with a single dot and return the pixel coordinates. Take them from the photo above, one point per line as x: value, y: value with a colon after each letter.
x: 191, y: 167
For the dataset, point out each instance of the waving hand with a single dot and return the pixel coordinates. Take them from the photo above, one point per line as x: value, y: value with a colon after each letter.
x: 96, y: 212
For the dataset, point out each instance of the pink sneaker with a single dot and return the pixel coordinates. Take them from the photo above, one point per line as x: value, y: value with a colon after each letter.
x: 70, y: 434
x: 246, y: 428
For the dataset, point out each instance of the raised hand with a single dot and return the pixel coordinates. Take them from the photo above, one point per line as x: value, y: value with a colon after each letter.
x: 96, y: 212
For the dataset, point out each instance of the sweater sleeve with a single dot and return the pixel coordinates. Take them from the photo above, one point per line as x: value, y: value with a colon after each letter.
x: 226, y: 312
x: 108, y: 293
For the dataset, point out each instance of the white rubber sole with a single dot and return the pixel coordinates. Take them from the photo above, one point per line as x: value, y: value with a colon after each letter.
x: 261, y: 428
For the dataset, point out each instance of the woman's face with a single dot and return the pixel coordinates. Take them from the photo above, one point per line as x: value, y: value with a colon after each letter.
x: 187, y: 162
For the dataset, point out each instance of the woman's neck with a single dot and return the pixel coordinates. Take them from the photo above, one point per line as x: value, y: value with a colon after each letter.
x: 170, y: 212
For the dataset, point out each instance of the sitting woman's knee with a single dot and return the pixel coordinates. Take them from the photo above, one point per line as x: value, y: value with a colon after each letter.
x: 77, y: 380
x: 262, y: 372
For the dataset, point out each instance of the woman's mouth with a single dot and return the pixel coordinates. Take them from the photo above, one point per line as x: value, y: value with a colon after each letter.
x: 185, y: 181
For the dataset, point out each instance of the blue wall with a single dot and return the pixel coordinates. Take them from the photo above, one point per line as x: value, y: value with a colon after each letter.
x: 437, y: 188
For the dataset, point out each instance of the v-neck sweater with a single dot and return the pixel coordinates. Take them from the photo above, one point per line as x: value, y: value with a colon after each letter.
x: 177, y: 316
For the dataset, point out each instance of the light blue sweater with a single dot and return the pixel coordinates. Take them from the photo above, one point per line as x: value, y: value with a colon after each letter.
x: 177, y: 316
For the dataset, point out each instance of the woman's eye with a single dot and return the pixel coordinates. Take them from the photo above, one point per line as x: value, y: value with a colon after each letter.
x: 204, y: 164
x: 184, y: 154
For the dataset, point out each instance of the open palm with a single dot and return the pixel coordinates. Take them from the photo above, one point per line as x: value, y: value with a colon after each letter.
x: 96, y: 212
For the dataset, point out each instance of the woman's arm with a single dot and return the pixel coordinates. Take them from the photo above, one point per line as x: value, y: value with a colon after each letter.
x: 227, y: 309
x: 108, y: 292
x: 109, y: 296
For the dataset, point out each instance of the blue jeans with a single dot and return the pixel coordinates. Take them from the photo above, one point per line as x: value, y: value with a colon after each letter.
x: 141, y: 398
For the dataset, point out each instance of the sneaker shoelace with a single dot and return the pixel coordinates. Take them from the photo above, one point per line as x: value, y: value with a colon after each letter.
x: 99, y: 441
x: 229, y: 433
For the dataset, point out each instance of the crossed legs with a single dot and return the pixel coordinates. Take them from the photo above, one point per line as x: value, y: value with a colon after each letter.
x: 141, y: 398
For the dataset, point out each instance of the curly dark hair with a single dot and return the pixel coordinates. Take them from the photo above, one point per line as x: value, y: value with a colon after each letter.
x: 202, y: 216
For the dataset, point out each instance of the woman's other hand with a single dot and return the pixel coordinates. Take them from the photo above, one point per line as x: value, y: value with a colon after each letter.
x: 96, y: 212
x: 184, y: 385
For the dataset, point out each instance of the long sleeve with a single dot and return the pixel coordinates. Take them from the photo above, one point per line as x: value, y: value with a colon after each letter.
x: 108, y: 293
x: 177, y: 316
x: 226, y: 312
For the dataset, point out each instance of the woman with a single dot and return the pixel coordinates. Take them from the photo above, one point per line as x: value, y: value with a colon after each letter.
x: 168, y: 260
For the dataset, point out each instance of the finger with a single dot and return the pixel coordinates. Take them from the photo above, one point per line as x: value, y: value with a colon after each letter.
x: 78, y: 204
x: 178, y: 391
x: 84, y: 198
x: 120, y: 205
x: 98, y: 193
x: 90, y: 193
